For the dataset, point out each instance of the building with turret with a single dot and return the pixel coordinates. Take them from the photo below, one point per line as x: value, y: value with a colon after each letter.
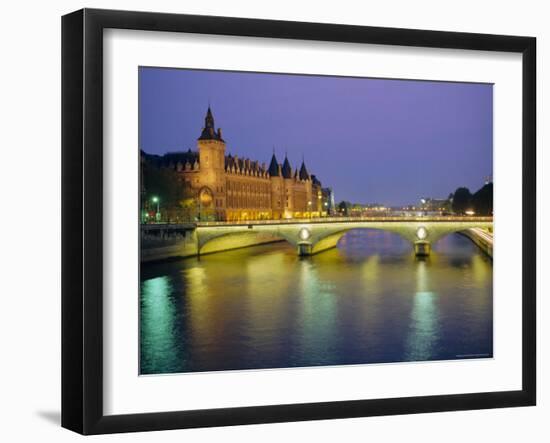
x: 230, y: 188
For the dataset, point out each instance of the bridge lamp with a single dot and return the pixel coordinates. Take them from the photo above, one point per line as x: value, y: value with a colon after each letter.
x: 304, y: 234
x: 421, y: 233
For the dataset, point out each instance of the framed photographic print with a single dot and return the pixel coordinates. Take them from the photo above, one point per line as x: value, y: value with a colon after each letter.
x: 270, y: 221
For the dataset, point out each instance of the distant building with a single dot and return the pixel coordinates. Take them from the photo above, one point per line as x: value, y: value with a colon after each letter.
x: 435, y: 205
x: 230, y: 188
x: 369, y: 210
x: 328, y: 201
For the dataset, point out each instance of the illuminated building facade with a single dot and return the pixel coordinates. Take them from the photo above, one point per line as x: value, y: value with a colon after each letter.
x: 231, y: 188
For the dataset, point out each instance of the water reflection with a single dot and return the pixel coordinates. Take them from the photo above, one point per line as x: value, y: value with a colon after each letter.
x: 158, y: 337
x: 423, y: 330
x: 367, y: 301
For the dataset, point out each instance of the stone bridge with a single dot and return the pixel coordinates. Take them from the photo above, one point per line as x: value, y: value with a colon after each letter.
x: 315, y: 235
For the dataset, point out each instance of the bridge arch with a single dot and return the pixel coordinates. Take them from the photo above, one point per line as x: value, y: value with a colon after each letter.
x: 420, y: 235
x: 237, y: 239
x: 330, y: 240
x: 313, y: 236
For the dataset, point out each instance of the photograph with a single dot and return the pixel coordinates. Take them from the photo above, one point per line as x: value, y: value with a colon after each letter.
x: 296, y: 220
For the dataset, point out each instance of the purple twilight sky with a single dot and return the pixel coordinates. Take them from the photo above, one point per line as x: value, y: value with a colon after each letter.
x: 371, y: 140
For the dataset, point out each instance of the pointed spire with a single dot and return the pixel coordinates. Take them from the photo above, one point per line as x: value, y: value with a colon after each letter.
x: 209, y: 130
x: 209, y: 119
x: 274, y: 165
x: 287, y: 169
x: 303, y: 171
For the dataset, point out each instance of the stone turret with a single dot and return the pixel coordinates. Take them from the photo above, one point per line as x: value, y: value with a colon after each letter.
x: 288, y: 194
x: 211, y: 147
x: 277, y: 187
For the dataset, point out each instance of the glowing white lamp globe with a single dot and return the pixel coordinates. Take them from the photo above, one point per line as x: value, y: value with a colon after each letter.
x: 421, y: 233
x: 304, y: 234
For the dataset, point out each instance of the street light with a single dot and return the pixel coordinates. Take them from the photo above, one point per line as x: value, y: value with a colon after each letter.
x: 421, y: 233
x: 304, y: 234
x: 156, y: 200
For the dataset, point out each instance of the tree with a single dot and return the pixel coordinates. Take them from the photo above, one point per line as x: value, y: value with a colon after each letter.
x: 189, y: 207
x: 166, y: 185
x: 482, y: 200
x: 344, y: 207
x: 462, y: 201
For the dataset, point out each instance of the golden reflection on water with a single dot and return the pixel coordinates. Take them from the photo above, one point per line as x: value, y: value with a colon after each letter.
x: 318, y: 310
x: 369, y: 300
x: 423, y: 329
x: 265, y: 308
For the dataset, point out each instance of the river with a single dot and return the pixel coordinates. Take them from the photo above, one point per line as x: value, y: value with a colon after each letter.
x: 370, y: 300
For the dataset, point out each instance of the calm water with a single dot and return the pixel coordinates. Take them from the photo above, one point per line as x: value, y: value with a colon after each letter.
x: 367, y: 301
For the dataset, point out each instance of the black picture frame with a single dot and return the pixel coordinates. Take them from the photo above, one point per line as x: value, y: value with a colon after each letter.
x: 82, y: 219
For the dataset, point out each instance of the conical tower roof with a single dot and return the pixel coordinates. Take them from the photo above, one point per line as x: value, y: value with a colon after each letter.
x: 273, y: 166
x: 209, y: 131
x: 287, y: 169
x: 303, y: 172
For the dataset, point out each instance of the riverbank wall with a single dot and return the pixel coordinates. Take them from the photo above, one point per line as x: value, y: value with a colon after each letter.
x: 174, y: 242
x: 482, y: 239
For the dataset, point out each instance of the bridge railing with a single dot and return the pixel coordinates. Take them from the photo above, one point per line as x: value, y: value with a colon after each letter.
x: 166, y: 226
x: 291, y: 221
x: 346, y: 220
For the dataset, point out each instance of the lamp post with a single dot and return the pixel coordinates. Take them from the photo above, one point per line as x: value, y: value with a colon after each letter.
x: 157, y: 214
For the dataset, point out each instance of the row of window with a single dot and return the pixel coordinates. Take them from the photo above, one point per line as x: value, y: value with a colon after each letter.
x: 248, y: 201
x: 248, y: 187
